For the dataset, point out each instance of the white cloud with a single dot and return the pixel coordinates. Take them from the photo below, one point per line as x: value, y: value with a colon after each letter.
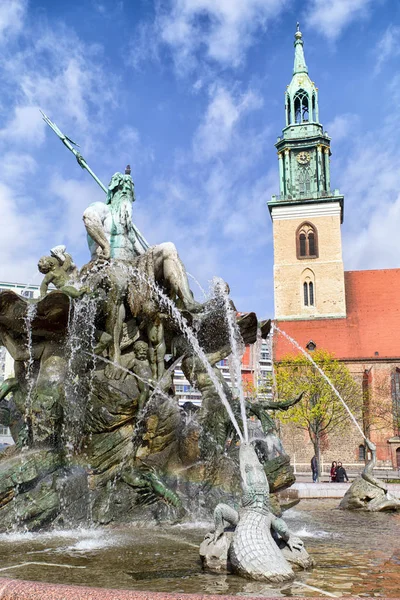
x: 214, y: 135
x: 222, y: 31
x: 376, y: 246
x: 330, y: 17
x: 22, y: 237
x: 72, y: 197
x: 55, y: 70
x: 342, y: 126
x: 12, y: 17
x: 26, y: 127
x: 388, y: 47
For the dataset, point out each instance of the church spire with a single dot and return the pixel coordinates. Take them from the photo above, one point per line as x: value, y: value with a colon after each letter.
x: 299, y: 60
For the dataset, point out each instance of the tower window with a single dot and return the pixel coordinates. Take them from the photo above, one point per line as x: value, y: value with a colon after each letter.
x: 307, y: 241
x: 308, y: 293
x: 311, y: 293
x: 301, y: 106
x: 314, y: 112
x: 288, y: 108
x: 303, y: 240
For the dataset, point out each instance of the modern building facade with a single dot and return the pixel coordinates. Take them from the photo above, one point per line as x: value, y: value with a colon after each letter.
x: 256, y: 371
x: 354, y: 315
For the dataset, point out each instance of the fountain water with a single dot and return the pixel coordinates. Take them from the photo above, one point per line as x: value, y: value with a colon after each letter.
x: 237, y: 347
x: 321, y: 372
x: 192, y: 339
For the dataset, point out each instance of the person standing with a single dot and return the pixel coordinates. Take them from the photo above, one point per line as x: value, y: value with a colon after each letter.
x: 341, y: 474
x: 333, y: 471
x: 314, y: 468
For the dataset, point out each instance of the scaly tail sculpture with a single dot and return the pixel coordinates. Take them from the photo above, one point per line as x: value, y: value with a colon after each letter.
x: 261, y: 545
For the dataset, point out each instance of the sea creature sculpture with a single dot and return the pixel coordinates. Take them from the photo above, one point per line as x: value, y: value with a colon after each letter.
x: 368, y: 493
x: 261, y: 544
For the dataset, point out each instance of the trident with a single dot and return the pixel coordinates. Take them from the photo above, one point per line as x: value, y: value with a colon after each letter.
x: 83, y: 164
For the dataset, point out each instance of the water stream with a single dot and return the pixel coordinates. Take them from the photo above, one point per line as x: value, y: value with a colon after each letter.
x: 189, y: 334
x: 237, y: 347
x: 321, y: 372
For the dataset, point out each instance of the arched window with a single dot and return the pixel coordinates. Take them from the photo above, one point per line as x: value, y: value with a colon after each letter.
x: 361, y: 452
x: 307, y: 241
x: 301, y: 106
x: 308, y: 282
x: 311, y: 293
x: 398, y: 457
x: 314, y: 112
x: 288, y: 110
x: 308, y: 291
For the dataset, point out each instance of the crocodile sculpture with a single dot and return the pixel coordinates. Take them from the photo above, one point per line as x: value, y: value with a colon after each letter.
x: 261, y: 545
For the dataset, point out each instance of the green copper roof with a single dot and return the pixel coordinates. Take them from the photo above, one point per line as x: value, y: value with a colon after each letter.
x: 299, y: 60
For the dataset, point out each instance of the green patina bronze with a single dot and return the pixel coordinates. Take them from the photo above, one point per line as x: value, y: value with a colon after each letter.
x: 304, y: 148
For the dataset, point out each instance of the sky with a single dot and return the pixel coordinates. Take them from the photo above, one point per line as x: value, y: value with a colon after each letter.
x: 190, y: 93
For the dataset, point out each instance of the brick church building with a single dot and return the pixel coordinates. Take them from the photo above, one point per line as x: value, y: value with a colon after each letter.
x: 355, y: 315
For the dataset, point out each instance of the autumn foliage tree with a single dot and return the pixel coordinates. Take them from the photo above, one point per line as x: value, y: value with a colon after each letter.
x: 320, y: 412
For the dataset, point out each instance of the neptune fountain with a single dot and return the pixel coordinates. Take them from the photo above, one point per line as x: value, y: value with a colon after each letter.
x: 99, y: 436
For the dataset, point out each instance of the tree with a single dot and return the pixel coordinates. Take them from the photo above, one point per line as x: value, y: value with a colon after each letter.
x: 320, y: 412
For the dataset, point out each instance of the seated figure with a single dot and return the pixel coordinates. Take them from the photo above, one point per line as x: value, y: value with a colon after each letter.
x: 111, y: 234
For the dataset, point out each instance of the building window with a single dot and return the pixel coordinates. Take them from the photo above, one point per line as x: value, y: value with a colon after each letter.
x: 27, y: 293
x: 306, y: 241
x: 308, y: 291
x: 289, y: 115
x: 301, y: 107
x: 361, y: 452
x: 314, y: 112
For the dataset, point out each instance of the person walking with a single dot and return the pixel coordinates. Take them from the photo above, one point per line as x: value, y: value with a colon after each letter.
x: 314, y: 468
x: 333, y: 471
x: 341, y: 474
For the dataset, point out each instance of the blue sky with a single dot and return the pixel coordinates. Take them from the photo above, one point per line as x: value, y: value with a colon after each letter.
x: 190, y: 93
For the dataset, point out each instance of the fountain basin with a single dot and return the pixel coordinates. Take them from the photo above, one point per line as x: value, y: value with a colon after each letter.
x: 355, y: 554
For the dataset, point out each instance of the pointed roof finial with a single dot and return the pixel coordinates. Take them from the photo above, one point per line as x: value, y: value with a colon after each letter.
x: 299, y: 60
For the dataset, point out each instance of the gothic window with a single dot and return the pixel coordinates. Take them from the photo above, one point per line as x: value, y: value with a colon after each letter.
x: 308, y: 282
x: 311, y: 293
x: 305, y: 291
x: 307, y: 241
x: 301, y: 106
x: 314, y: 112
x: 289, y: 116
x: 302, y: 240
x: 308, y: 292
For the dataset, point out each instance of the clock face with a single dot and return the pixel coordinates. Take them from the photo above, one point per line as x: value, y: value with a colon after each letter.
x: 303, y: 158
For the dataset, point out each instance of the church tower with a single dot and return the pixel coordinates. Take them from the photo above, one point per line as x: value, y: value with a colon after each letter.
x: 307, y: 214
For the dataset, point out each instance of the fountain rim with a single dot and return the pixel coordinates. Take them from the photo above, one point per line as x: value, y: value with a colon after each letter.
x: 20, y: 589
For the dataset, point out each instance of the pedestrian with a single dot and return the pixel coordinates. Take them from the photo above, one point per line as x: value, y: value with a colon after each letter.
x: 333, y: 470
x: 341, y: 474
x: 314, y: 468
